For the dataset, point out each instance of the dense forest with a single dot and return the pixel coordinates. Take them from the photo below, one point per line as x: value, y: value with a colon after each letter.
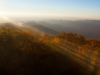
x: 26, y: 52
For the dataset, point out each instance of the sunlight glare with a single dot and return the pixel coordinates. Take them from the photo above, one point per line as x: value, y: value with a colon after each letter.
x: 7, y: 19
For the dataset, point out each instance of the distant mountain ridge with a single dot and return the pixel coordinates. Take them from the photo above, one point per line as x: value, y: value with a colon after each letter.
x: 32, y: 26
x: 88, y: 28
x: 41, y: 28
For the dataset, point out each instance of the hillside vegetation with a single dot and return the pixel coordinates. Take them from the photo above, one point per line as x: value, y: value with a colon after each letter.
x: 25, y: 52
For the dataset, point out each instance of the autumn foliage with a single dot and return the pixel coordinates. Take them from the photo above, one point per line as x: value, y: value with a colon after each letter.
x: 25, y: 52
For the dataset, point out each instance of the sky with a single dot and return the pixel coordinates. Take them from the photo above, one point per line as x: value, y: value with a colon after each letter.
x: 50, y: 9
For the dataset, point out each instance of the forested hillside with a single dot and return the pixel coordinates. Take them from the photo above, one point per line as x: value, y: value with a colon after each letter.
x: 25, y: 52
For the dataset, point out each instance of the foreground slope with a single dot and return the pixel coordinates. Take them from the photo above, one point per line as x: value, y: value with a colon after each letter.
x: 25, y: 54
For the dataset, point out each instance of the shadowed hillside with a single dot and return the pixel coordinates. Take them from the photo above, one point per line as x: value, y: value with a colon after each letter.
x: 25, y: 53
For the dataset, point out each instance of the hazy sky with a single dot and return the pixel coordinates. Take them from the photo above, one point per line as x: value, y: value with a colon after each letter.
x: 62, y: 9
